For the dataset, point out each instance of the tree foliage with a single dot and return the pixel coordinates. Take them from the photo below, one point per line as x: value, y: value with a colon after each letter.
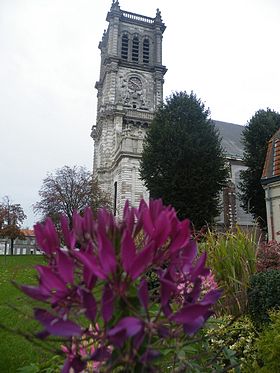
x: 182, y: 160
x: 68, y: 190
x: 11, y: 217
x: 260, y: 128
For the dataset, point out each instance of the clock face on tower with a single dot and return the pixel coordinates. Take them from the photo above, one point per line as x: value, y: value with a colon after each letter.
x: 135, y: 84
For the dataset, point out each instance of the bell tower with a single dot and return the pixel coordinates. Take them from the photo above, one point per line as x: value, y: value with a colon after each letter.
x: 130, y: 88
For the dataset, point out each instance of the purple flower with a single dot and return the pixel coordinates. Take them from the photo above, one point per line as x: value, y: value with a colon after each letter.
x: 102, y: 272
x: 46, y: 236
x: 89, y: 278
x: 57, y: 326
x: 167, y: 288
x: 142, y: 261
x: 135, y: 263
x: 125, y: 328
x: 73, y: 361
x: 192, y: 317
x: 89, y: 304
x: 107, y: 305
x: 52, y: 283
x: 128, y: 251
x: 143, y: 293
x: 106, y: 254
x: 65, y: 266
x: 129, y: 217
x: 180, y: 235
x: 92, y: 263
x: 37, y: 293
x: 69, y: 236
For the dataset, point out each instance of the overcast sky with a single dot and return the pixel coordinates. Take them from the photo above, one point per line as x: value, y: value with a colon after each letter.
x: 226, y: 51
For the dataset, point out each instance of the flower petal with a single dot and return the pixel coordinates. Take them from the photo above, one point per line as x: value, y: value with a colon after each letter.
x: 50, y: 280
x: 106, y: 254
x: 211, y: 297
x: 89, y: 278
x: 89, y: 304
x: 142, y: 261
x: 167, y: 288
x: 181, y: 237
x: 128, y: 327
x: 56, y: 326
x: 69, y: 237
x: 46, y: 236
x: 65, y: 266
x: 35, y: 292
x: 192, y: 317
x: 162, y: 229
x: 91, y: 263
x: 128, y: 251
x: 143, y: 293
x: 107, y: 304
x: 199, y: 269
x: 101, y: 354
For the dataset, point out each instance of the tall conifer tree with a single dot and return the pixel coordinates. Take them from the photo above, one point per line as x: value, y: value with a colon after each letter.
x: 182, y: 161
x: 260, y: 128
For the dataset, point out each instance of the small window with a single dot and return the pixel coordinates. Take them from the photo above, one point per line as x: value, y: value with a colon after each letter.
x: 146, y: 50
x: 124, y: 52
x: 135, y: 49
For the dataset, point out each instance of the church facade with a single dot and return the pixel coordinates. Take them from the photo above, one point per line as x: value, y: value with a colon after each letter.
x: 130, y: 88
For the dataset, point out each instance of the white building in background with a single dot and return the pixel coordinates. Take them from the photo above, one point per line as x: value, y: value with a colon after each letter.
x: 271, y: 184
x: 22, y: 246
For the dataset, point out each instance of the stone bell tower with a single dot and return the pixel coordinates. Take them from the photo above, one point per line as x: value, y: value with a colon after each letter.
x: 130, y: 88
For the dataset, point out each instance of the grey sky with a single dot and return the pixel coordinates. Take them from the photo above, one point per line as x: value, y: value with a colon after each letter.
x: 226, y: 51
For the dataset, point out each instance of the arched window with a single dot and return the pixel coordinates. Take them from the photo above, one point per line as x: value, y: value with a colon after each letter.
x: 146, y: 50
x: 135, y: 49
x: 115, y: 197
x: 124, y: 51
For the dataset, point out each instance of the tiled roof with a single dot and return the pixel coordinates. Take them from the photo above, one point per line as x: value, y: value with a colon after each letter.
x: 271, y: 168
x: 28, y: 232
x: 231, y: 138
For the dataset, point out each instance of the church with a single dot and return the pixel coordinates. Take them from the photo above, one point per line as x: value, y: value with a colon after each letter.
x: 129, y: 90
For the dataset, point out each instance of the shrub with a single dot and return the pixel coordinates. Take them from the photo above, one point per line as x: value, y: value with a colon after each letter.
x: 268, y: 256
x: 232, y: 258
x: 268, y: 347
x: 200, y: 355
x: 263, y: 295
x: 237, y: 336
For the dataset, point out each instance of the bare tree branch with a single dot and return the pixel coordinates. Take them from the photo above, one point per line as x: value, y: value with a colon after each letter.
x: 69, y: 189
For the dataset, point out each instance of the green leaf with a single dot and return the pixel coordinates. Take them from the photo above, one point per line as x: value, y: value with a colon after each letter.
x: 32, y: 368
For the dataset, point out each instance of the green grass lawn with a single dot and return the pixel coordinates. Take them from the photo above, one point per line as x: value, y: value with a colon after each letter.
x: 15, y: 350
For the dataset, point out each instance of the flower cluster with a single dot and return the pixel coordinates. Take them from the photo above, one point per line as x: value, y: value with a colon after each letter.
x: 99, y: 274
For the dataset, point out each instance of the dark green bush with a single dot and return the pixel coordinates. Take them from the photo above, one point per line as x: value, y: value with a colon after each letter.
x: 263, y: 295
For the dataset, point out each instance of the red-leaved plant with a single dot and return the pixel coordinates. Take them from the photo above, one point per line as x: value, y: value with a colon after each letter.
x: 96, y: 291
x: 268, y: 256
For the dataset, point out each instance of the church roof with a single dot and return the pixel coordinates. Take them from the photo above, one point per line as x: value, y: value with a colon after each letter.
x: 231, y: 139
x: 271, y: 170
